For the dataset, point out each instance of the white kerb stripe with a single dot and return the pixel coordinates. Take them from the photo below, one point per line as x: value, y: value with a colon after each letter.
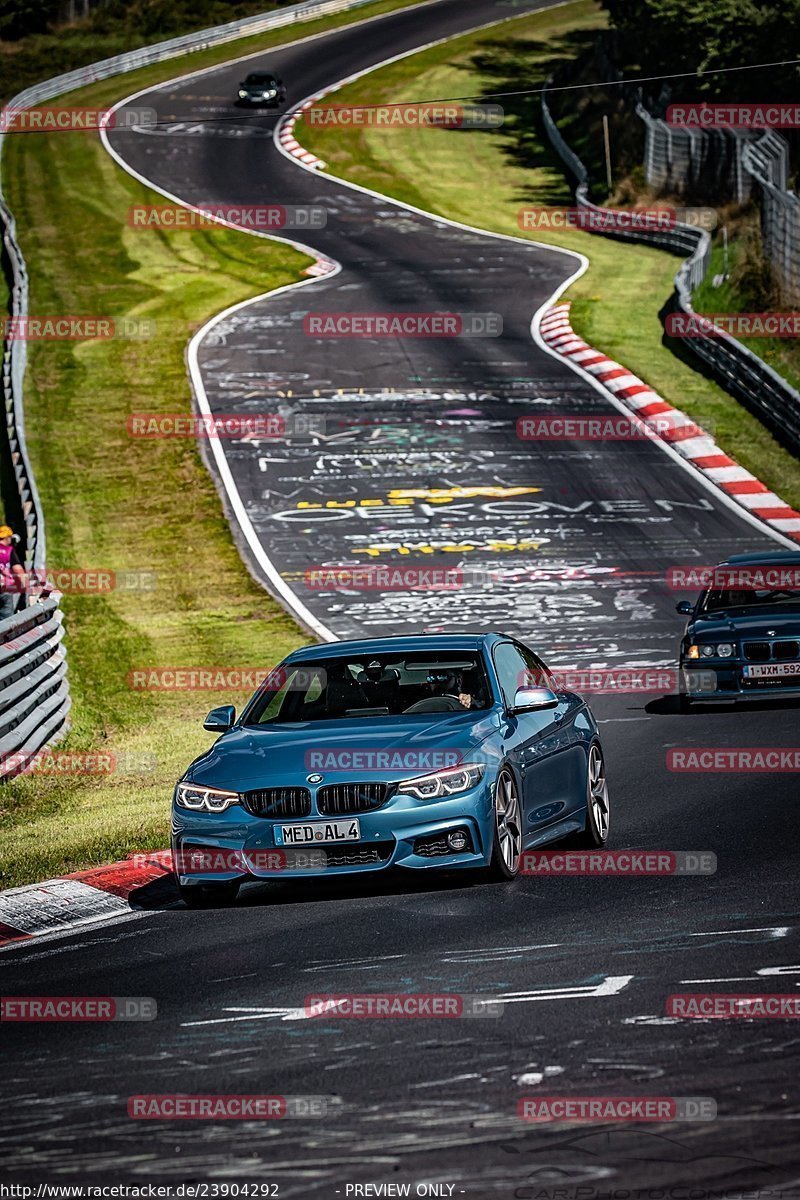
x: 760, y: 500
x: 699, y: 447
x: 57, y: 904
x: 730, y: 475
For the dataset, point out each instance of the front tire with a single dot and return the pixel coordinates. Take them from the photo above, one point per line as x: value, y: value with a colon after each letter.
x: 507, y: 840
x: 598, y: 811
x: 209, y: 895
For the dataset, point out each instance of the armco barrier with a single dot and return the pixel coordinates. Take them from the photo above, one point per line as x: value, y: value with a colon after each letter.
x: 20, y: 498
x: 737, y: 369
x: 34, y: 695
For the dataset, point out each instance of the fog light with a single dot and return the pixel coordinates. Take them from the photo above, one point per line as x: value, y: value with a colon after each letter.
x: 457, y: 840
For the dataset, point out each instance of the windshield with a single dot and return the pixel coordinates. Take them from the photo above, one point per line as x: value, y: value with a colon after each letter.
x: 256, y: 78
x: 375, y: 685
x: 717, y: 601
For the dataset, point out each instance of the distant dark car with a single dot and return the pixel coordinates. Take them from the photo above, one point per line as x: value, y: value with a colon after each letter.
x: 742, y: 640
x: 262, y: 87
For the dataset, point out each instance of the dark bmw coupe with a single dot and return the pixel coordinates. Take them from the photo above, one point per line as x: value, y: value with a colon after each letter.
x: 742, y: 640
x: 262, y: 88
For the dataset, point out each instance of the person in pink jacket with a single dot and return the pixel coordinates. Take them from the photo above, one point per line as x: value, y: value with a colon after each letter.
x: 12, y: 574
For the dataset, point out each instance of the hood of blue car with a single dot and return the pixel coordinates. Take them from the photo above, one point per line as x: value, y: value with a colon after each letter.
x: 736, y: 624
x: 251, y: 756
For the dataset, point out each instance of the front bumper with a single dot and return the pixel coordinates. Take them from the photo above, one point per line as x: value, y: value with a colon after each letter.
x: 728, y: 684
x: 261, y: 101
x: 388, y: 837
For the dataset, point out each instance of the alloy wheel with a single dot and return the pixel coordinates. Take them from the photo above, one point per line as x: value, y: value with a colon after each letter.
x: 508, y: 821
x: 598, y: 792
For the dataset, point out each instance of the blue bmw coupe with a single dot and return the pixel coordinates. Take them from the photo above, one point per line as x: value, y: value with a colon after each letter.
x: 452, y: 751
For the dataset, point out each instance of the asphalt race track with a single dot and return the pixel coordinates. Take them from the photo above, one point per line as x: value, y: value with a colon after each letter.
x: 584, y: 965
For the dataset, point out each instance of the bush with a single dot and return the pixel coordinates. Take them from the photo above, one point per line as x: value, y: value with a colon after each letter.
x: 670, y: 37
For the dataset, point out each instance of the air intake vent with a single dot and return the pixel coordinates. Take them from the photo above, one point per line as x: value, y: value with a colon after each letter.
x: 341, y: 799
x: 279, y: 802
x: 756, y: 651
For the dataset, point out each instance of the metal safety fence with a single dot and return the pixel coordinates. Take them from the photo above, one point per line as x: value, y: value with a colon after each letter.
x: 767, y: 162
x: 734, y: 366
x: 733, y: 164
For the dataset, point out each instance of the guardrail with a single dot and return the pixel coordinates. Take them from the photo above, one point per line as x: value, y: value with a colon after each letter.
x: 737, y: 369
x: 34, y: 694
x: 22, y: 504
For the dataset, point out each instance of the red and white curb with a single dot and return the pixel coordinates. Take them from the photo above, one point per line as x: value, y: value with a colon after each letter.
x: 690, y: 441
x: 322, y: 266
x: 289, y: 141
x: 290, y: 144
x: 85, y: 898
x: 286, y: 138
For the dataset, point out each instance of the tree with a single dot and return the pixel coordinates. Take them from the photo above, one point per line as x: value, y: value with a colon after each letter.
x: 21, y: 17
x: 672, y: 37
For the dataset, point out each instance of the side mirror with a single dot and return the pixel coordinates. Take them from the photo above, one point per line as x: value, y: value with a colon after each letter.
x: 532, y: 699
x: 220, y: 719
x: 686, y: 608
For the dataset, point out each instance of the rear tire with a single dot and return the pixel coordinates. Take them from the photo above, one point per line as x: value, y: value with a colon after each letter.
x: 209, y: 895
x: 507, y: 840
x: 598, y: 811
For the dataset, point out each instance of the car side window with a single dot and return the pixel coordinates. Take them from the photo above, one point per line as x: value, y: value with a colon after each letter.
x: 538, y: 675
x: 511, y: 670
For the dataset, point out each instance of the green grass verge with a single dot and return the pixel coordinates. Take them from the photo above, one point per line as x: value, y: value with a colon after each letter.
x: 124, y: 504
x: 484, y: 177
x: 783, y: 355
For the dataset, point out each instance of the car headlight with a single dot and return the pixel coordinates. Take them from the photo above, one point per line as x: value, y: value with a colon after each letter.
x: 242, y: 94
x: 443, y: 783
x: 710, y: 650
x: 268, y: 95
x: 203, y: 799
